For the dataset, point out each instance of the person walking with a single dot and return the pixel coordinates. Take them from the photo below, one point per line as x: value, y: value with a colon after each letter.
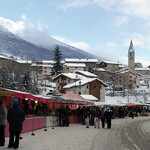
x: 67, y: 115
x: 15, y: 118
x: 3, y: 121
x: 96, y: 114
x: 87, y: 114
x: 108, y: 115
x: 102, y: 117
x: 79, y: 114
x: 62, y: 112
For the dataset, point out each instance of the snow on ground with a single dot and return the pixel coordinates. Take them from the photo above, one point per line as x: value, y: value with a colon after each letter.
x: 139, y: 95
x: 74, y: 137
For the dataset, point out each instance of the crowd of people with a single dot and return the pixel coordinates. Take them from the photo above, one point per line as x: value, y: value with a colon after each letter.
x: 87, y: 115
x: 93, y: 115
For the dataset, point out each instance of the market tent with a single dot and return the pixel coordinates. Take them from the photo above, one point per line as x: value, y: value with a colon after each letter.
x: 6, y: 92
x: 46, y: 99
x: 134, y: 104
x: 110, y: 104
x: 61, y: 99
x: 89, y: 97
x: 77, y: 98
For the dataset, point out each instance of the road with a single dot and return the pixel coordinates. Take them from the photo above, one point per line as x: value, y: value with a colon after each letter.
x: 126, y: 134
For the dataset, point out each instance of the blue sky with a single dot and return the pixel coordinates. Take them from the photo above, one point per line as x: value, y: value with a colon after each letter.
x: 101, y: 27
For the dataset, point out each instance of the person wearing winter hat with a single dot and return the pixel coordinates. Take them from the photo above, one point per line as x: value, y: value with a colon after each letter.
x: 3, y: 120
x: 15, y: 118
x: 15, y: 101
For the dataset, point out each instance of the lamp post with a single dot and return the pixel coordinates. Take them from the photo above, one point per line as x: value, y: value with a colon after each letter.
x: 80, y: 86
x: 33, y: 108
x: 45, y: 118
x: 76, y: 77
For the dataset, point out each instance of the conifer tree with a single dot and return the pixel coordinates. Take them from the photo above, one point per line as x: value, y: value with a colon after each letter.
x: 57, y: 67
x: 27, y: 82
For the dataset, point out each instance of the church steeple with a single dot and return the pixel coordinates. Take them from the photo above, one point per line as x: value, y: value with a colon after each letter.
x: 131, y: 46
x: 131, y: 56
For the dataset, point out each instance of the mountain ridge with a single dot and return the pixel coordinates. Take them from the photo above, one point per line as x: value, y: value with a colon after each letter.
x: 12, y: 45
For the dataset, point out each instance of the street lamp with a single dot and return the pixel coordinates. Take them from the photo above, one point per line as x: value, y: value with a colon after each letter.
x: 80, y: 86
x: 76, y: 77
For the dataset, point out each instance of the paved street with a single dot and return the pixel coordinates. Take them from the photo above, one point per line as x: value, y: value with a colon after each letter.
x: 126, y: 134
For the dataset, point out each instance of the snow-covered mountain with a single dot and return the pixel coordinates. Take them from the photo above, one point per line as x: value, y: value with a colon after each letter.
x: 27, y: 43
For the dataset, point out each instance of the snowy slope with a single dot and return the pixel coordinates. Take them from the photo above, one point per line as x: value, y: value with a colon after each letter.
x: 24, y: 41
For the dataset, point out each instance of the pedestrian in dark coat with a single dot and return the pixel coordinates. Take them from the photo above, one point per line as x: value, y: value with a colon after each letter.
x: 67, y: 114
x: 62, y: 112
x: 103, y: 117
x: 108, y: 115
x: 3, y: 120
x: 87, y: 114
x: 15, y: 118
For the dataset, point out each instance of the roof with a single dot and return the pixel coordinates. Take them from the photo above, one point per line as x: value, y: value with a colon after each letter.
x: 110, y: 62
x: 24, y: 61
x: 83, y: 82
x: 80, y: 60
x: 41, y: 65
x: 101, y: 70
x: 89, y: 97
x: 46, y: 61
x: 70, y: 95
x: 75, y: 64
x: 70, y: 75
x: 76, y: 97
x: 125, y: 70
x: 142, y: 69
x: 86, y: 73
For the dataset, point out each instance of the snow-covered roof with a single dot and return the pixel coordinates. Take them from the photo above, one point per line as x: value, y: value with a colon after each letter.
x: 101, y: 70
x: 45, y: 61
x: 1, y: 56
x: 83, y: 82
x: 89, y: 97
x: 80, y: 60
x: 142, y: 69
x: 41, y: 65
x: 75, y: 64
x: 70, y: 95
x: 111, y: 62
x: 125, y: 70
x: 86, y: 73
x: 71, y: 76
x: 24, y: 61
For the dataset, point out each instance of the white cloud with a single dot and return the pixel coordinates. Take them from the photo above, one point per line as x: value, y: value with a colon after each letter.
x: 121, y: 20
x: 111, y: 44
x: 81, y: 45
x: 12, y: 26
x: 136, y: 8
x: 75, y: 3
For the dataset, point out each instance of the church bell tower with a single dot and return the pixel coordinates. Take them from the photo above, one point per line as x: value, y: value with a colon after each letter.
x: 131, y: 56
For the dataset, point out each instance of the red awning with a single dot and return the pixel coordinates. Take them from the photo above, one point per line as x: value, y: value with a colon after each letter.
x: 77, y: 98
x: 133, y: 105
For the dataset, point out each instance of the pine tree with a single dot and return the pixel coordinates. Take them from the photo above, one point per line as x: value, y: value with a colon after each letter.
x: 57, y: 67
x: 27, y: 82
